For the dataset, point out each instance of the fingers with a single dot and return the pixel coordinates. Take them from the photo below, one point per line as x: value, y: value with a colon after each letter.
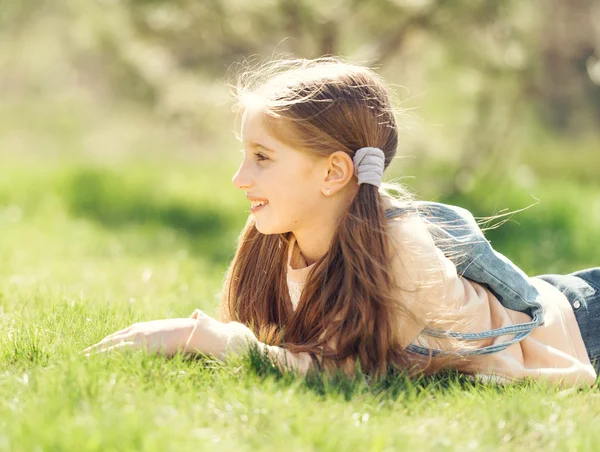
x: 107, y: 341
x: 120, y: 346
x: 120, y: 332
x: 117, y: 334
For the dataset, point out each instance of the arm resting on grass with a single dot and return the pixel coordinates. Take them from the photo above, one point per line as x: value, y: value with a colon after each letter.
x: 218, y: 339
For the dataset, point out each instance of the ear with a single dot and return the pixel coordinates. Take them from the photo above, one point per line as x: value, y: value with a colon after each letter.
x: 340, y: 170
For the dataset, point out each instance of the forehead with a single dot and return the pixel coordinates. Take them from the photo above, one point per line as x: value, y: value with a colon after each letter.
x: 256, y: 130
x: 253, y: 124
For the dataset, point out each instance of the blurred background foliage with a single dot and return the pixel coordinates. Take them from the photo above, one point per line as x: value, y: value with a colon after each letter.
x: 118, y: 111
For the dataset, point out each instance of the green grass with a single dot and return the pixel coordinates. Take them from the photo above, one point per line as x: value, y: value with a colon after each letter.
x: 88, y: 249
x: 110, y: 214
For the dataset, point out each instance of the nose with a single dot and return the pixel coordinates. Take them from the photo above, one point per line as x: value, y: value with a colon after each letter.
x: 240, y: 179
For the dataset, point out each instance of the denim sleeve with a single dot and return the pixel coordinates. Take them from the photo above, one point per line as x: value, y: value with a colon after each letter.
x: 461, y: 240
x: 482, y: 263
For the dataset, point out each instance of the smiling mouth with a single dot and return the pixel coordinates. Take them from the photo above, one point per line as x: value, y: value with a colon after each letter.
x: 257, y: 207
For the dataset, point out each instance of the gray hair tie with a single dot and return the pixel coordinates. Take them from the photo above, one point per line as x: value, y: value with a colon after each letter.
x: 369, y: 164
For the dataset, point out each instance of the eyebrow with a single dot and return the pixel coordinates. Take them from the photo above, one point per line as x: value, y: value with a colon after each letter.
x: 258, y: 145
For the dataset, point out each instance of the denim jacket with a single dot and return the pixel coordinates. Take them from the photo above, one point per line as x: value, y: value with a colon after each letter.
x: 482, y: 264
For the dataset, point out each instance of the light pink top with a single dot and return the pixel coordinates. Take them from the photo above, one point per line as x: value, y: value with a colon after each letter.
x: 554, y: 352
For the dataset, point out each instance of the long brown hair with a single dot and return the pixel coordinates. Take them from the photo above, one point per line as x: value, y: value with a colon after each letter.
x: 349, y: 312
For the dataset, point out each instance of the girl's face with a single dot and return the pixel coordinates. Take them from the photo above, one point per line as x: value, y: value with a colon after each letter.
x: 288, y: 180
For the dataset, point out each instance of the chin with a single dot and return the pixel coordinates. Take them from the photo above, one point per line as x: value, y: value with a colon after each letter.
x: 265, y: 230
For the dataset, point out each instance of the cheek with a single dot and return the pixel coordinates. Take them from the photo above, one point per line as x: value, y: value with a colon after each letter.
x: 295, y: 190
x: 304, y: 200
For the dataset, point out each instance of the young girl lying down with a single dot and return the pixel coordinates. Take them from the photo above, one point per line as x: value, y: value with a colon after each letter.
x: 333, y: 270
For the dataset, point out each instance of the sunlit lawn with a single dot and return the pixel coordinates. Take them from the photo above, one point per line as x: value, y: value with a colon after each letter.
x: 111, y: 214
x: 86, y: 252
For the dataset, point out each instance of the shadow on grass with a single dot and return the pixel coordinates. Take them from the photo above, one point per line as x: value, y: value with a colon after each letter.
x: 393, y: 386
x: 118, y: 200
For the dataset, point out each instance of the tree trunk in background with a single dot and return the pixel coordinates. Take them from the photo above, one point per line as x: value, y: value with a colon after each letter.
x: 568, y: 41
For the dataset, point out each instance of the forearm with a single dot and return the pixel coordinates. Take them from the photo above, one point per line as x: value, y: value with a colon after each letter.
x: 217, y: 339
x: 285, y: 359
x: 233, y: 338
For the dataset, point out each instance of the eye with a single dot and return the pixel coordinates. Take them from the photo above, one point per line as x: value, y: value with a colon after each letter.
x: 260, y: 157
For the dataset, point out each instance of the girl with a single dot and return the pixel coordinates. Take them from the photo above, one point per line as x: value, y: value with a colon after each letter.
x: 334, y: 271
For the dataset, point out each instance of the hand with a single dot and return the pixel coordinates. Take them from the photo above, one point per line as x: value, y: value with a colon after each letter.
x: 168, y: 336
x: 216, y: 338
